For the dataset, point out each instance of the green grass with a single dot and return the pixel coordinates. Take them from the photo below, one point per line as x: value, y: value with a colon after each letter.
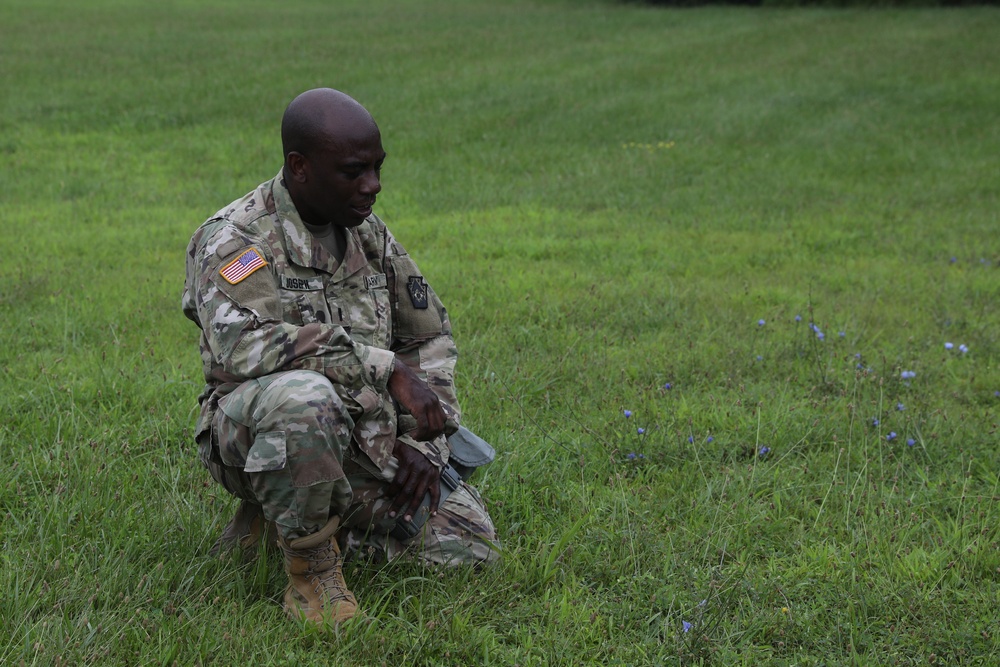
x: 608, y: 197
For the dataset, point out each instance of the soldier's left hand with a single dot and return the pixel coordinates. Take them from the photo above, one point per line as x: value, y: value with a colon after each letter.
x: 416, y: 477
x: 418, y: 400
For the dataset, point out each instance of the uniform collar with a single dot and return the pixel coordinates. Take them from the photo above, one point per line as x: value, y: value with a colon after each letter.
x: 305, y: 249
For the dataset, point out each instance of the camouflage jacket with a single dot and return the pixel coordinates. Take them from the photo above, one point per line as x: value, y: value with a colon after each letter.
x: 268, y: 297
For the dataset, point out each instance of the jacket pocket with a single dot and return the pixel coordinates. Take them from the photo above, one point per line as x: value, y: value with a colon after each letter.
x: 417, y: 311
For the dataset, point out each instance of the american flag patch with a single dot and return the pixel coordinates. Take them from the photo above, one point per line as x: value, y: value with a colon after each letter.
x: 242, y: 266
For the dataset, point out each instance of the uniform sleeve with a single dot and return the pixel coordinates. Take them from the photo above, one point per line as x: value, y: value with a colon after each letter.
x: 422, y: 340
x: 231, y: 293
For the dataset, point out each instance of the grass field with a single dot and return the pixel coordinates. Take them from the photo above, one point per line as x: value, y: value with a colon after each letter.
x: 704, y: 268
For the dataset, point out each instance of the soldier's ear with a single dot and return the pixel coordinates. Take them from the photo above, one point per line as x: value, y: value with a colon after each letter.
x: 298, y: 166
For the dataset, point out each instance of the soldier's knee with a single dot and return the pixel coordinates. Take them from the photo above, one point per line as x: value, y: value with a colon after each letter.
x: 463, y: 531
x: 293, y: 388
x: 302, y: 397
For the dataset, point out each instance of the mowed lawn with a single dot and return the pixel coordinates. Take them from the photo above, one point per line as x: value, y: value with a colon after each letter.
x: 724, y: 281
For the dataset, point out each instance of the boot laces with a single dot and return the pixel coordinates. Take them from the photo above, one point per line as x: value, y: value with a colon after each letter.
x: 331, y: 578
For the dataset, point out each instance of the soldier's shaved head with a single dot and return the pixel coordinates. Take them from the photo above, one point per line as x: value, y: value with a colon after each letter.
x: 319, y: 117
x: 333, y: 158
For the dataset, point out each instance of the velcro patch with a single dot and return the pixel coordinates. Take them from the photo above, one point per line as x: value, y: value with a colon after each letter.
x: 417, y: 287
x: 302, y: 284
x: 375, y: 281
x: 242, y: 266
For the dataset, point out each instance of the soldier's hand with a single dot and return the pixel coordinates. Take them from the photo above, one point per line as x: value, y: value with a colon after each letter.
x: 415, y: 478
x: 417, y: 399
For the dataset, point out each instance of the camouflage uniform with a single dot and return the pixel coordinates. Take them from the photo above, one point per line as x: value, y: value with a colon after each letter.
x: 297, y: 351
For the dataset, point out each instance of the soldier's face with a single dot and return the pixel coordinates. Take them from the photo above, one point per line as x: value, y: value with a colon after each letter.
x: 344, y: 177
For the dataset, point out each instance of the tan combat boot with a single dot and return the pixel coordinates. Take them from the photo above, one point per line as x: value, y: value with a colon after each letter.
x: 316, y: 587
x: 248, y: 530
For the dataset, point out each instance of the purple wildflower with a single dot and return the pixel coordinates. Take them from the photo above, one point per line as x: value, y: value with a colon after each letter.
x: 627, y: 413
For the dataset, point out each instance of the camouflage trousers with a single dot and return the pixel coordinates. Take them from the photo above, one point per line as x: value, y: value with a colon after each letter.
x: 284, y: 442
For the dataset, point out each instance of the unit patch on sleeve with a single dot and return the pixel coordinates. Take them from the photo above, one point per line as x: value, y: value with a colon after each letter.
x: 417, y: 288
x: 242, y: 266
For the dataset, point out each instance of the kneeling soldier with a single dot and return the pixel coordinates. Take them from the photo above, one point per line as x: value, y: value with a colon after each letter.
x: 329, y: 364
